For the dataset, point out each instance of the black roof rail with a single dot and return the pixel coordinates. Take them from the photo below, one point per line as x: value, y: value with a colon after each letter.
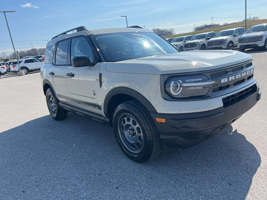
x: 78, y: 29
x: 135, y: 26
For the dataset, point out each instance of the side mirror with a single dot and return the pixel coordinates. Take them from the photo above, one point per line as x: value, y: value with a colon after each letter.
x: 208, y: 38
x: 235, y: 35
x: 81, y: 61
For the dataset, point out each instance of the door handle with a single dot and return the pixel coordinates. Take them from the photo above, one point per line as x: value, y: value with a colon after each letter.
x: 51, y: 73
x: 71, y: 75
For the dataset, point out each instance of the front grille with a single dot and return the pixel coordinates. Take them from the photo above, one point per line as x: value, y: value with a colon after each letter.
x: 248, y: 39
x: 231, y: 76
x: 190, y: 45
x: 235, y: 98
x: 216, y: 42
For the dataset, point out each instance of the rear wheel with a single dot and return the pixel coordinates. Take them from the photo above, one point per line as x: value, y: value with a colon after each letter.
x: 56, y: 112
x: 135, y: 132
x: 181, y: 48
x: 25, y: 70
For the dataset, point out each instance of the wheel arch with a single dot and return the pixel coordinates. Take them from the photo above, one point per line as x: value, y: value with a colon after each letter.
x: 122, y: 94
x: 46, y: 85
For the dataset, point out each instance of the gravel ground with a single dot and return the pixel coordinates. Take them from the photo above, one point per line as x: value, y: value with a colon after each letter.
x: 79, y: 159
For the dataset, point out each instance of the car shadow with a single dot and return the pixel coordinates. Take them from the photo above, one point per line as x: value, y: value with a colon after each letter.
x: 79, y: 159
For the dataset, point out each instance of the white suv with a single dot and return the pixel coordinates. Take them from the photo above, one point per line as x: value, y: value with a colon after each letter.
x: 199, y: 41
x: 135, y: 81
x: 226, y: 39
x: 2, y: 69
x: 178, y: 42
x: 27, y: 65
x: 256, y: 36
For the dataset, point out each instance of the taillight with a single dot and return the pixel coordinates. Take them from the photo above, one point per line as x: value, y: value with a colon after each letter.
x: 13, y: 66
x: 3, y: 67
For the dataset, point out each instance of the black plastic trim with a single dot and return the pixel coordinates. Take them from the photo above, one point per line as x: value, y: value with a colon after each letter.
x: 130, y: 92
x: 80, y: 111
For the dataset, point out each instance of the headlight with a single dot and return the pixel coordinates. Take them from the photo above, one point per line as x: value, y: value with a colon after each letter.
x: 191, y: 86
x: 260, y: 38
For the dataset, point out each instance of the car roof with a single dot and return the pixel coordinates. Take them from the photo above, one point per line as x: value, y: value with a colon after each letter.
x: 264, y: 24
x: 206, y: 33
x: 230, y: 29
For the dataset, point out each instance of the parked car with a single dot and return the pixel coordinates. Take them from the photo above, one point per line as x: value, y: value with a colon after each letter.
x: 226, y: 39
x: 27, y: 65
x: 178, y: 42
x: 255, y: 37
x: 199, y: 41
x: 40, y: 58
x: 169, y: 39
x: 137, y: 82
x: 2, y: 69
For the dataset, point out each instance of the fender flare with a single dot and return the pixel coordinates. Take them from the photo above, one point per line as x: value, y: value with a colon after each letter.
x: 129, y: 92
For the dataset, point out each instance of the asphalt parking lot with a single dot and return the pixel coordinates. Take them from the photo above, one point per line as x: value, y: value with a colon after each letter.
x: 79, y: 158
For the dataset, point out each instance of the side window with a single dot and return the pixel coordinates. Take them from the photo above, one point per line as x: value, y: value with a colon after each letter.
x: 29, y: 61
x: 81, y: 47
x: 236, y: 32
x: 62, y: 56
x: 241, y: 31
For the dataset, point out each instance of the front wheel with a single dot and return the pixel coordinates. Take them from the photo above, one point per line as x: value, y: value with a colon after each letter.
x: 56, y: 112
x: 230, y: 45
x: 135, y: 132
x: 181, y: 49
x: 203, y: 47
x: 264, y: 48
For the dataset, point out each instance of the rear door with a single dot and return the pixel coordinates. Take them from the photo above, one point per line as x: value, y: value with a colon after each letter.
x: 57, y: 71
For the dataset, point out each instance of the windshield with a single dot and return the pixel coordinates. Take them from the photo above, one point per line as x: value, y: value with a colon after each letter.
x: 188, y: 38
x: 180, y: 39
x: 199, y: 37
x: 257, y: 28
x: 225, y: 33
x: 123, y: 46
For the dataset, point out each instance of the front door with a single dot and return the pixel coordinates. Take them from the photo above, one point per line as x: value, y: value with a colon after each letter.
x: 83, y: 82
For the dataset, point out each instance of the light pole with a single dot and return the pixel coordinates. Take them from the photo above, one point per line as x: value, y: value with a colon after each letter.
x: 245, y: 15
x: 16, y: 54
x: 126, y: 20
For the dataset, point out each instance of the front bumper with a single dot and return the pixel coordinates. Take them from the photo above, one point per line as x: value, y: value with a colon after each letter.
x: 192, y: 126
x: 222, y: 46
x: 251, y: 44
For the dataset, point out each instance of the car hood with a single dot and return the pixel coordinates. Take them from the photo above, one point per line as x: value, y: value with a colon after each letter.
x: 178, y: 62
x: 220, y: 38
x: 192, y: 41
x: 176, y: 43
x: 253, y: 34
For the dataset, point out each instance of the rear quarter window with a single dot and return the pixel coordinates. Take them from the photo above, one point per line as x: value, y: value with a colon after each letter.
x: 49, y: 54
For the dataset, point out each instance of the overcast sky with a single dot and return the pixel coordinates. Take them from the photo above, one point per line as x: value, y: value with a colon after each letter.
x: 36, y: 21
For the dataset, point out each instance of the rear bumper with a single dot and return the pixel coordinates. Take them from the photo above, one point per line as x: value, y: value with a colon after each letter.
x: 197, y: 125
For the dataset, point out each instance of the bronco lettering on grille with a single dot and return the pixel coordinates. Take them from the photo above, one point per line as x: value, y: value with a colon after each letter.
x: 236, y: 76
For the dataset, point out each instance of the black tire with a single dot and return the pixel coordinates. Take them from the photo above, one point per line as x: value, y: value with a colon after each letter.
x: 264, y: 48
x: 135, y: 132
x: 56, y: 112
x: 181, y: 49
x: 230, y: 45
x: 25, y: 69
x: 203, y: 47
x: 242, y: 49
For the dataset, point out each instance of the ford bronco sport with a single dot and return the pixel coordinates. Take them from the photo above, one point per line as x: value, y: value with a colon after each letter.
x: 138, y: 83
